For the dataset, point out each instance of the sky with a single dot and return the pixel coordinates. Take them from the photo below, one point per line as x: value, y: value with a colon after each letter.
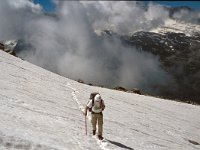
x: 192, y: 4
x: 48, y: 5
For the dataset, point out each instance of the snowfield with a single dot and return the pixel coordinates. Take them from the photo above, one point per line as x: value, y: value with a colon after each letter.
x: 177, y: 27
x: 40, y: 110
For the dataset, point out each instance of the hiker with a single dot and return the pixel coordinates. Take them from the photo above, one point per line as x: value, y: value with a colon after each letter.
x: 96, y: 106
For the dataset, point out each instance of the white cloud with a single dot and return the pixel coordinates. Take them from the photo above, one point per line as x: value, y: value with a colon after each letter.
x: 66, y: 43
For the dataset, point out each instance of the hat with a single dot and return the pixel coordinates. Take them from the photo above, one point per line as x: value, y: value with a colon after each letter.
x: 97, y: 97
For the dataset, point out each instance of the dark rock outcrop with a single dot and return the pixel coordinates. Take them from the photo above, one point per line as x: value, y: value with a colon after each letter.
x: 120, y: 88
x: 135, y: 90
x: 7, y: 49
x: 179, y: 55
x: 80, y: 81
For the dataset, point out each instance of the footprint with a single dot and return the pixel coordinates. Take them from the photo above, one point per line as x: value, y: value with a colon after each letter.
x: 1, y: 141
x: 24, y: 146
x: 8, y: 145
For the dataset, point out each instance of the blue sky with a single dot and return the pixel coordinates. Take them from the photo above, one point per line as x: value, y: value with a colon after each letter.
x: 192, y: 4
x: 49, y: 6
x: 46, y: 4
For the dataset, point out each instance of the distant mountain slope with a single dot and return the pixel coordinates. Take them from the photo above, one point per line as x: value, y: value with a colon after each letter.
x: 175, y: 26
x: 41, y: 110
x: 177, y: 44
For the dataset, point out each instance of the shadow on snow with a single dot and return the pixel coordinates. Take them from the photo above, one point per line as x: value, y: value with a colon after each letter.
x: 120, y: 145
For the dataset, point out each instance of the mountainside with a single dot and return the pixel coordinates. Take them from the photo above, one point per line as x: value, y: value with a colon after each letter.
x: 42, y: 110
x: 177, y: 44
x: 165, y: 62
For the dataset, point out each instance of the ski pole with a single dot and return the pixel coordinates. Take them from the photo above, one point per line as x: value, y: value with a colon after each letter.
x: 85, y: 125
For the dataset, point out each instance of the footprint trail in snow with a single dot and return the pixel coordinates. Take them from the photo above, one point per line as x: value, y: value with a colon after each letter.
x: 102, y: 143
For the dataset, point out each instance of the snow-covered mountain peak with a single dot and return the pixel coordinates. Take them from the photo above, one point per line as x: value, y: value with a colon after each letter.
x: 177, y: 27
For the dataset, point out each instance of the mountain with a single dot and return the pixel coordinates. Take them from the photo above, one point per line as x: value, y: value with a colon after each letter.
x: 177, y: 45
x: 42, y: 110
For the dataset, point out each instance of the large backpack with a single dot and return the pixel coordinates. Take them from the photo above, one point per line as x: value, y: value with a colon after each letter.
x: 92, y: 95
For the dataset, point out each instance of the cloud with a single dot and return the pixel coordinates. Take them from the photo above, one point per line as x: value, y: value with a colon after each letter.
x: 124, y: 17
x: 187, y: 16
x: 66, y: 43
x: 14, y: 16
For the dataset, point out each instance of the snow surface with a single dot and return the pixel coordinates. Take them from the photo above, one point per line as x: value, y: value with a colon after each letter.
x: 40, y: 110
x: 177, y: 27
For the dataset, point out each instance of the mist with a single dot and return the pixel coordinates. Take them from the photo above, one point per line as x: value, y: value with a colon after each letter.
x: 65, y: 42
x: 188, y: 16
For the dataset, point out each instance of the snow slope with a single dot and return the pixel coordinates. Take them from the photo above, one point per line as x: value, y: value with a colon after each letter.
x: 42, y: 110
x: 177, y: 27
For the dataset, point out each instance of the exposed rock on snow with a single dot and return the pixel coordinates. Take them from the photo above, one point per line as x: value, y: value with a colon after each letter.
x: 8, y: 46
x: 175, y: 26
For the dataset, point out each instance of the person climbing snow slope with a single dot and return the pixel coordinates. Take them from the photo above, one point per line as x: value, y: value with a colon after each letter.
x: 96, y: 106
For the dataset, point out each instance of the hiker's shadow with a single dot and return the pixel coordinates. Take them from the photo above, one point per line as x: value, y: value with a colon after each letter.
x: 120, y: 145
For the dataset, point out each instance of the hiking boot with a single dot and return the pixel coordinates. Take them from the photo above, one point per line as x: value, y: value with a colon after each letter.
x: 100, y: 137
x: 93, y: 132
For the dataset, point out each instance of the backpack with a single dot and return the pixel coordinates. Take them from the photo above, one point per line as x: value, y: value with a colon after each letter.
x: 92, y: 95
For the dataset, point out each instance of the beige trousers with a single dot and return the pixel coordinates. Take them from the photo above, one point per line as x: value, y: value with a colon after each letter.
x: 97, y: 118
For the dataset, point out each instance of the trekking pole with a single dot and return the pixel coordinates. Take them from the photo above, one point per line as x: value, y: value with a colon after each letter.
x: 85, y: 125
